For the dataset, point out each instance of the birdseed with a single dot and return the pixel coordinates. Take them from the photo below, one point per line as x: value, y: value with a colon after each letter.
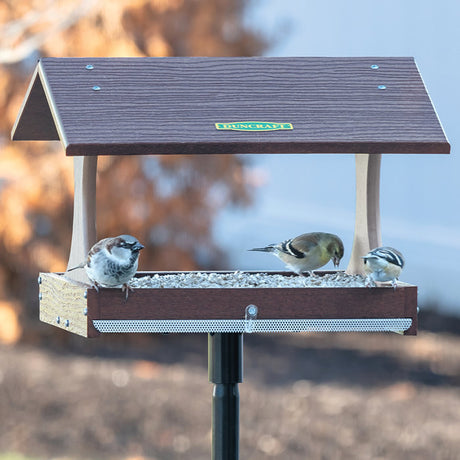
x: 241, y: 279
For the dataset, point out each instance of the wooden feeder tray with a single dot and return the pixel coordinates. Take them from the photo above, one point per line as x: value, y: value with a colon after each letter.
x: 137, y: 106
x: 72, y: 306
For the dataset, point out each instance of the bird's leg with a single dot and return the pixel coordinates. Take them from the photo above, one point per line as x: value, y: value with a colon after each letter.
x: 126, y: 287
x: 394, y: 284
x: 369, y: 282
x: 95, y: 285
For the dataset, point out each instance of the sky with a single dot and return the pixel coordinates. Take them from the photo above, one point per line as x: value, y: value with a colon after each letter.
x: 419, y: 193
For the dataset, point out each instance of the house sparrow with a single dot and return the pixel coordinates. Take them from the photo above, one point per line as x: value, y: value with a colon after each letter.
x: 112, y: 262
x: 383, y: 264
x: 307, y: 252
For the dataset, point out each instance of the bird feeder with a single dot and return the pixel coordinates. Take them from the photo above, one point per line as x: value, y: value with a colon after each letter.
x: 148, y: 106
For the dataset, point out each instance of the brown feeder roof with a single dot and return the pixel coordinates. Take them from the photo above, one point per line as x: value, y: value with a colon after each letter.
x: 118, y: 106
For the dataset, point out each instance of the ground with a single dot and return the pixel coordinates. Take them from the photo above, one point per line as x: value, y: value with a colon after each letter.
x: 315, y: 396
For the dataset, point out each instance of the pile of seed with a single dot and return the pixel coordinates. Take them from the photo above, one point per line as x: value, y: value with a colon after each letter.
x: 241, y: 279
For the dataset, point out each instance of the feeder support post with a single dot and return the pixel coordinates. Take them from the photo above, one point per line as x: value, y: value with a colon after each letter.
x: 367, y: 220
x: 225, y: 369
x: 84, y: 213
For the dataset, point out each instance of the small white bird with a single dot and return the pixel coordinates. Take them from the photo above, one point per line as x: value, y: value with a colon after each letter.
x: 112, y: 262
x: 383, y: 264
x: 307, y: 252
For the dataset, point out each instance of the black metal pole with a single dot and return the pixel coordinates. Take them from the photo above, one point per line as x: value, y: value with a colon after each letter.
x: 225, y: 369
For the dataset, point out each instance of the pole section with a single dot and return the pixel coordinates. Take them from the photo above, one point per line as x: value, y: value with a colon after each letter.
x: 225, y: 370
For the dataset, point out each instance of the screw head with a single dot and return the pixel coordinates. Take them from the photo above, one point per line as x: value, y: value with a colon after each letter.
x: 85, y: 312
x: 374, y: 66
x: 58, y: 320
x: 67, y: 323
x: 96, y: 88
x: 251, y: 310
x: 85, y: 294
x: 89, y: 67
x: 40, y: 296
x: 381, y: 87
x: 39, y: 280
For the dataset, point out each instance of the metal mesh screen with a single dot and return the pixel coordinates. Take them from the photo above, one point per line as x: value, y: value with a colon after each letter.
x: 258, y: 325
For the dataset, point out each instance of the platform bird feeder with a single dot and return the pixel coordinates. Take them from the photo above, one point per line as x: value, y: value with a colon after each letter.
x: 188, y: 106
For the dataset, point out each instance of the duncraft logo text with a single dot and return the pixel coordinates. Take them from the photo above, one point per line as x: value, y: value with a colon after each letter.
x: 253, y: 126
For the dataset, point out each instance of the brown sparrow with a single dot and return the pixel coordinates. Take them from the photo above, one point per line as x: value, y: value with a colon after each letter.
x: 112, y: 262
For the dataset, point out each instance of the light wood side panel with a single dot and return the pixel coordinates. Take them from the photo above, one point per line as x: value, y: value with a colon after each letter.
x: 367, y: 221
x: 84, y: 214
x: 63, y: 303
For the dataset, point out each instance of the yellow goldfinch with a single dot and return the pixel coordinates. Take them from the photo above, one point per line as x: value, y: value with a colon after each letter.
x: 307, y: 252
x: 383, y: 264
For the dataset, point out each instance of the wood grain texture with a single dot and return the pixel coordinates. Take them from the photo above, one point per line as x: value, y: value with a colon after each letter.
x: 35, y: 121
x: 170, y: 105
x: 367, y: 234
x: 64, y: 299
x: 84, y: 214
x: 272, y: 303
x: 411, y: 309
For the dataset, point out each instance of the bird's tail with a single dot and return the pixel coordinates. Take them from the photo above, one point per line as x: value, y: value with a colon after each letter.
x: 270, y: 248
x: 82, y: 265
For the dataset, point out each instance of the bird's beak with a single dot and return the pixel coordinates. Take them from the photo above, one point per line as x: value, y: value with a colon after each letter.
x: 138, y: 247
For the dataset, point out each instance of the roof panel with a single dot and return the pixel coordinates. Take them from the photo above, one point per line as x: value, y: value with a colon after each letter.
x: 171, y: 105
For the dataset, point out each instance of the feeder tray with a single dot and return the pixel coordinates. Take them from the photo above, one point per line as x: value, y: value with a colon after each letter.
x: 72, y: 306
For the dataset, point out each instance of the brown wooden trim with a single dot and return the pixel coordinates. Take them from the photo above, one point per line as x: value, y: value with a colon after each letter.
x: 273, y: 303
x: 262, y: 146
x: 34, y: 120
x: 293, y: 147
x: 411, y: 311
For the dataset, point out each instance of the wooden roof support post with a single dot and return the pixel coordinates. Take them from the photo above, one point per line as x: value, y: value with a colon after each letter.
x: 84, y: 214
x: 367, y: 219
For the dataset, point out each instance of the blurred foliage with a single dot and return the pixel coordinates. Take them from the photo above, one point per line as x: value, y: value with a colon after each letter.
x: 13, y: 456
x: 168, y: 202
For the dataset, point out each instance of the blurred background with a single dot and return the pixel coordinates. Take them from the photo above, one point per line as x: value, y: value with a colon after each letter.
x: 314, y: 396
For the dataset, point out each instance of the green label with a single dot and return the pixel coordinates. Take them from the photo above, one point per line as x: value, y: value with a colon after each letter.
x: 253, y: 126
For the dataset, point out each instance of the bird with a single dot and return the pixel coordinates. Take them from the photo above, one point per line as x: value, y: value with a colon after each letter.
x: 112, y: 262
x: 308, y: 251
x: 383, y: 264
